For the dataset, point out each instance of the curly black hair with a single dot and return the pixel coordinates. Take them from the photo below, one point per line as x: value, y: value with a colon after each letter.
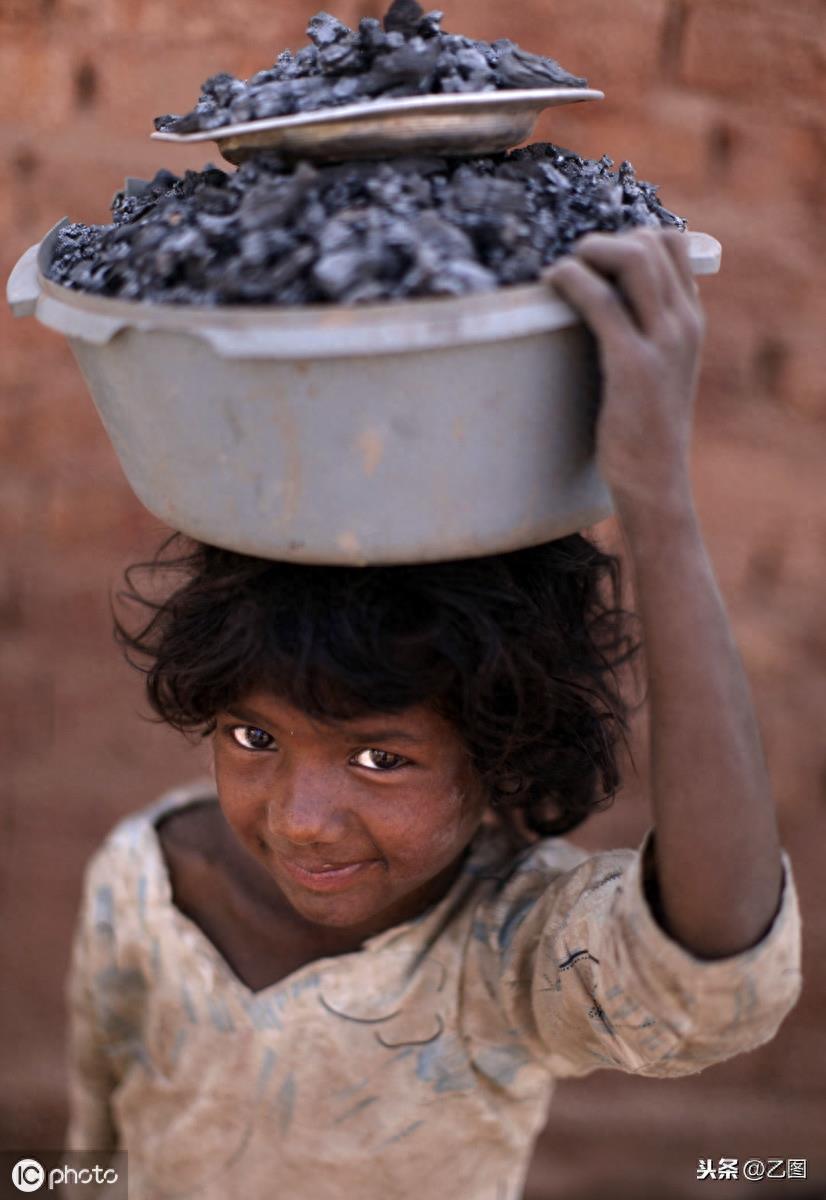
x: 519, y: 651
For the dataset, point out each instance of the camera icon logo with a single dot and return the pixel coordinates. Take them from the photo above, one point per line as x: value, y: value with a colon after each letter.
x: 27, y: 1175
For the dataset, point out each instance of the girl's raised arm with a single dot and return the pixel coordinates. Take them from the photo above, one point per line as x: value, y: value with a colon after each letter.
x: 717, y: 854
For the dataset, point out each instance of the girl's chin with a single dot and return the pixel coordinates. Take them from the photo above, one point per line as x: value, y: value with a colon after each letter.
x: 359, y: 921
x: 362, y: 915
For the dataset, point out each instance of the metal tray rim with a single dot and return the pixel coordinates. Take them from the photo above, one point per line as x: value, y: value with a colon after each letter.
x: 536, y: 98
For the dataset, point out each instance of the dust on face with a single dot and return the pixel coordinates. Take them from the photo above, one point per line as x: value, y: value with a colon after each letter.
x: 361, y: 824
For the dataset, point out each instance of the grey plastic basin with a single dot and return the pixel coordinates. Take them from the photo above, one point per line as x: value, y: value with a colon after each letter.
x: 404, y: 432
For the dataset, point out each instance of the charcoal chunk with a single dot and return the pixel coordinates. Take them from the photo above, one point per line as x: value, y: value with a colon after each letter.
x: 346, y: 90
x: 323, y: 30
x: 406, y: 54
x: 404, y: 17
x: 354, y: 232
x: 371, y: 35
x: 430, y: 25
x: 517, y: 68
x: 341, y: 57
x: 337, y: 273
x: 221, y: 89
x: 271, y: 100
x: 306, y: 61
x: 405, y: 70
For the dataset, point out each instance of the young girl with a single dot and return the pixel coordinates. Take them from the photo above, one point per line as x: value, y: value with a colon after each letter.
x: 359, y: 970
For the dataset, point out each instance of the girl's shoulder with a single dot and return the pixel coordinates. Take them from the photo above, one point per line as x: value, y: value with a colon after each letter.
x: 513, y: 857
x: 132, y: 831
x: 127, y: 868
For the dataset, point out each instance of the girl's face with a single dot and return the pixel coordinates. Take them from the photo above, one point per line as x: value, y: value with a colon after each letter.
x: 361, y: 824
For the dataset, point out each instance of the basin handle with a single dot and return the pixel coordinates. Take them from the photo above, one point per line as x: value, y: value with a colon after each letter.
x: 23, y: 287
x: 77, y: 322
x: 705, y: 253
x: 27, y: 297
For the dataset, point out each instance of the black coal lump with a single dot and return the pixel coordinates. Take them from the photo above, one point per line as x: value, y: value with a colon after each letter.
x: 271, y: 233
x: 406, y: 54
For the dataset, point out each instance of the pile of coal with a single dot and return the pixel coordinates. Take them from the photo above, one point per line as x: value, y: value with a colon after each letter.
x: 407, y: 54
x: 275, y: 233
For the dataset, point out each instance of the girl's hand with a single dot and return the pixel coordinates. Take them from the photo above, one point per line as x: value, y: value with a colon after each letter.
x: 637, y: 294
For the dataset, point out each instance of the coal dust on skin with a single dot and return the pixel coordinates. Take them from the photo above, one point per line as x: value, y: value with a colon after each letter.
x: 358, y: 825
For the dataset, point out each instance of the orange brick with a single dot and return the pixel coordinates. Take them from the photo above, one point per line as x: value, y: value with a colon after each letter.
x: 187, y: 21
x: 802, y: 377
x: 35, y: 80
x: 776, y: 159
x: 17, y: 13
x: 761, y: 51
x: 618, y: 48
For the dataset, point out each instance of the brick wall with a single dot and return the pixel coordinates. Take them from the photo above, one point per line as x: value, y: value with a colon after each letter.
x: 719, y: 101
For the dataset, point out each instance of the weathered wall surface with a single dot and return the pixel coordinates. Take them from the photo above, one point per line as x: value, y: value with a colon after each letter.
x: 719, y: 101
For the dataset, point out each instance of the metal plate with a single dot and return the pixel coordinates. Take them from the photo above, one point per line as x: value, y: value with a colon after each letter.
x: 468, y: 124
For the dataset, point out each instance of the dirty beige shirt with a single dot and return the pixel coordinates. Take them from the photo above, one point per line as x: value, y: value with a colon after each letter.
x: 422, y: 1064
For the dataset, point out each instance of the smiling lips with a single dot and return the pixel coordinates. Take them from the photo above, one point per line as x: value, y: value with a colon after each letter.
x: 327, y: 877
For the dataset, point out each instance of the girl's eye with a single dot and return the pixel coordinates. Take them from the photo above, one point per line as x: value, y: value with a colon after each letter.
x: 251, y: 738
x: 379, y: 760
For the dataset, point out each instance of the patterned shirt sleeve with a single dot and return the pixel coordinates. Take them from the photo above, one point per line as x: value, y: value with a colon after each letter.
x: 91, y: 1078
x: 568, y: 961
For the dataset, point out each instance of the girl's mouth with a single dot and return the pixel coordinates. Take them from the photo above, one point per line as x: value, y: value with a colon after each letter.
x: 327, y: 877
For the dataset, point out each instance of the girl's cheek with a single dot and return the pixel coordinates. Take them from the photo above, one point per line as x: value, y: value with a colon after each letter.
x: 242, y: 795
x: 447, y: 833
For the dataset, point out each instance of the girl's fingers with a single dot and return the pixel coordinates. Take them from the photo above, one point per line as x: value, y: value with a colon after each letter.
x: 597, y: 301
x: 632, y: 264
x: 676, y: 246
x: 638, y: 264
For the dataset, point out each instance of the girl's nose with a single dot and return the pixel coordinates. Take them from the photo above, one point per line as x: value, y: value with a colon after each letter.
x: 305, y: 807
